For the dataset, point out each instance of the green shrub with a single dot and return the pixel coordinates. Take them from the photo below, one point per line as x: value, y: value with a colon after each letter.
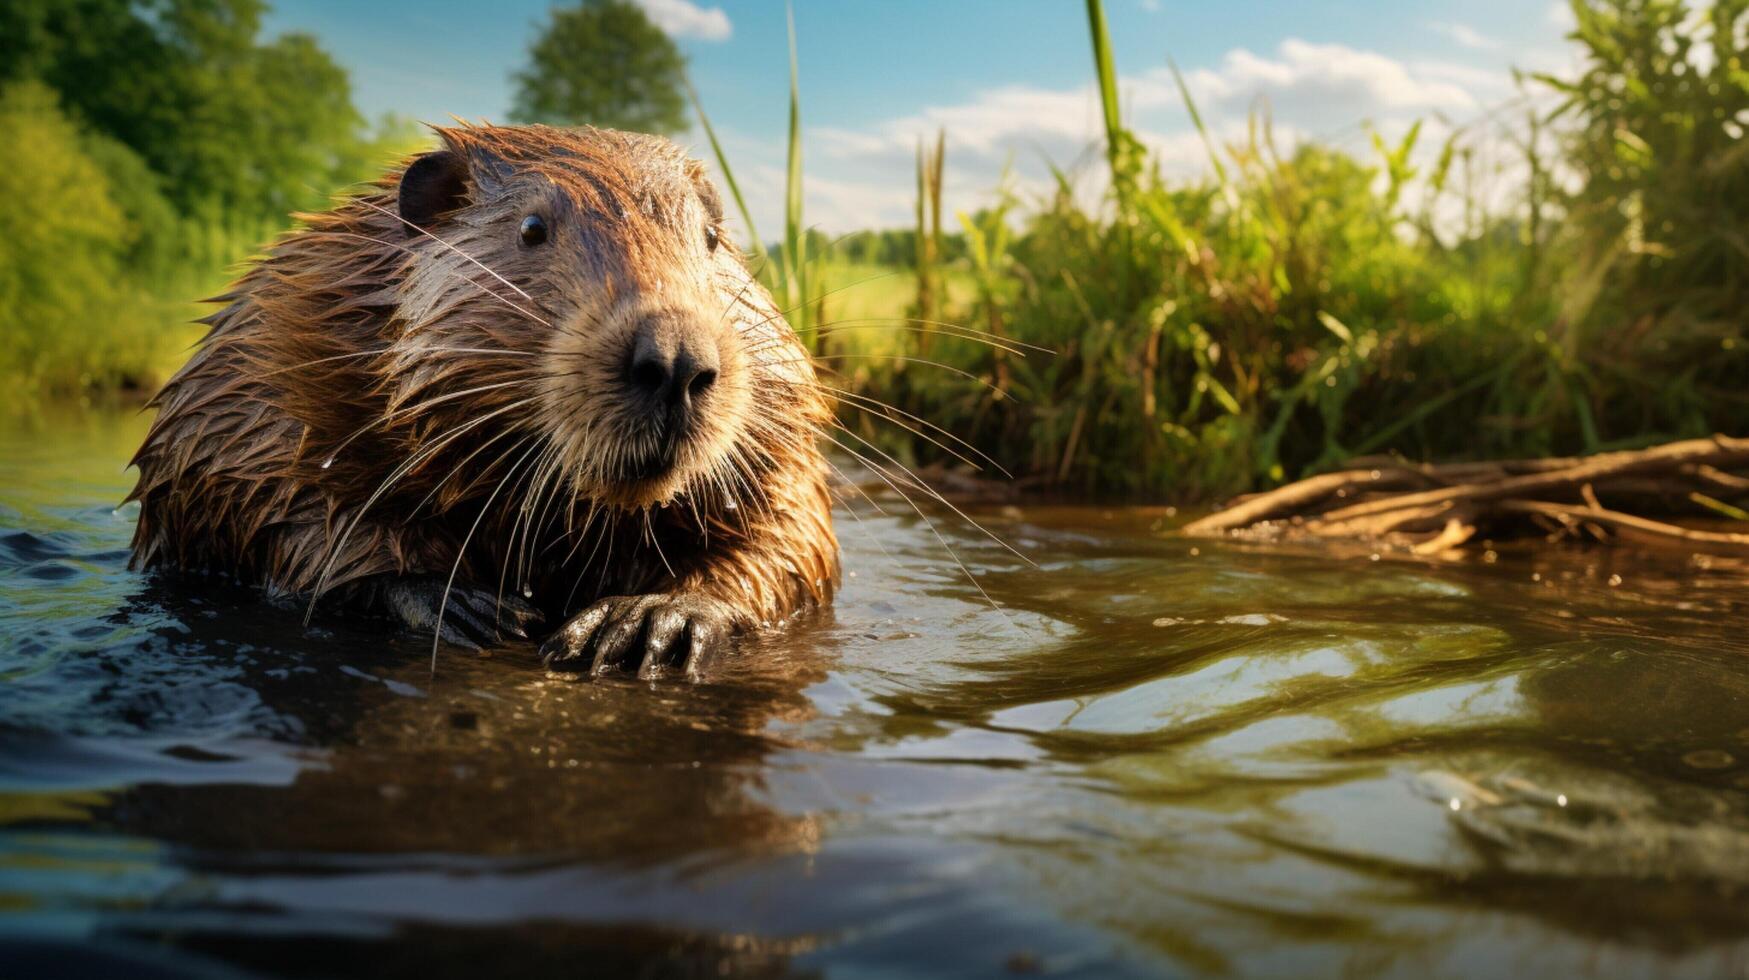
x: 1288, y: 313
x: 71, y: 319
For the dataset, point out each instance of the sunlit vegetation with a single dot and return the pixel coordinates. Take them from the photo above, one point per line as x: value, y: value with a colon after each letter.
x: 1298, y: 307
x: 1295, y: 307
x: 149, y: 147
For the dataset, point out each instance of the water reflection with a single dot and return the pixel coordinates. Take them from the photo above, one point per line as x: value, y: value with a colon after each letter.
x: 1156, y: 756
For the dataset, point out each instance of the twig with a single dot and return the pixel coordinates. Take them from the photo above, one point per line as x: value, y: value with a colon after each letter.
x: 1654, y: 531
x: 1560, y: 495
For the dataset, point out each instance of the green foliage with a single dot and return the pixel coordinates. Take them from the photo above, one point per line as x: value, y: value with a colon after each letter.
x: 1289, y: 313
x: 63, y: 239
x: 603, y: 63
x: 1655, y: 302
x: 229, y: 125
x: 151, y: 145
x: 756, y: 248
x: 930, y: 161
x: 792, y: 268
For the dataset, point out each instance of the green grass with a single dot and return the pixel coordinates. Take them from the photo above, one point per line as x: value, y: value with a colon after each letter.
x: 1288, y: 312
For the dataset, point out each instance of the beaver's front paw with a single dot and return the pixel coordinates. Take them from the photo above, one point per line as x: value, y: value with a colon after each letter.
x: 651, y: 634
x: 472, y: 618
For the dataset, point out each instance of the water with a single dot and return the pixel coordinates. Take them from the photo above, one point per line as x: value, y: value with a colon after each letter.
x: 1167, y: 757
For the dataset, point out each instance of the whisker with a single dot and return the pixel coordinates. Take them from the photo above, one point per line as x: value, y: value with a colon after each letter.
x: 912, y: 360
x: 650, y: 536
x: 878, y: 472
x: 607, y: 536
x: 934, y: 494
x: 377, y: 207
x: 424, y: 404
x: 782, y: 314
x: 860, y: 523
x: 472, y: 282
x: 453, y: 471
x: 532, y: 478
x: 461, y: 552
x: 941, y: 327
x: 875, y: 406
x: 417, y: 457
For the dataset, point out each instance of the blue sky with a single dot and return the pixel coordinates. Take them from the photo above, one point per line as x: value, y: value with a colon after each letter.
x: 1010, y: 79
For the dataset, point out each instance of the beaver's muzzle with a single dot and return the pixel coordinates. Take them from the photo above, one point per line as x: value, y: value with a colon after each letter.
x: 670, y: 367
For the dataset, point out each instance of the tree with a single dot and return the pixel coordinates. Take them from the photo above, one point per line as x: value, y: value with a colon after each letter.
x: 230, y: 123
x: 603, y: 63
x: 62, y: 240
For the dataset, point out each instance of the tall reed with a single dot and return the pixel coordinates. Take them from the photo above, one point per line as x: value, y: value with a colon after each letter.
x: 1296, y: 308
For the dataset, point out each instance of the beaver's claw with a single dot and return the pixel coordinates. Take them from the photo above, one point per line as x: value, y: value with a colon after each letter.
x: 651, y: 634
x: 472, y: 617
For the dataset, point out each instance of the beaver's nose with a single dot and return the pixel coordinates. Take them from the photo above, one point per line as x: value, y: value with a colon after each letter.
x: 669, y: 366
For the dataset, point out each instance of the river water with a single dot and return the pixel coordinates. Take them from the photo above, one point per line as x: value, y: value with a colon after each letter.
x: 1159, y: 757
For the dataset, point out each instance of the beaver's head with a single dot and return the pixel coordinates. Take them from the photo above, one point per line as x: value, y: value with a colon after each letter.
x: 613, y: 324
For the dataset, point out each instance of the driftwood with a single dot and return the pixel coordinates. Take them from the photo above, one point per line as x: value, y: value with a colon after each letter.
x: 1435, y: 508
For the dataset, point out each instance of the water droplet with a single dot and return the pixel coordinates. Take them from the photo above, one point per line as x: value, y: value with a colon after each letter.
x: 1561, y: 799
x: 1615, y: 580
x: 527, y: 592
x: 1455, y: 805
x: 327, y: 462
x: 731, y: 505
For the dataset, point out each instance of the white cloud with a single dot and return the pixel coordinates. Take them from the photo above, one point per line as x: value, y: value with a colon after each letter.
x: 683, y: 18
x: 1303, y: 74
x: 1483, y: 84
x: 866, y: 177
x: 1465, y: 35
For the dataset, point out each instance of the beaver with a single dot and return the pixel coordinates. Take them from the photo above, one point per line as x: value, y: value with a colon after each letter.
x: 523, y: 379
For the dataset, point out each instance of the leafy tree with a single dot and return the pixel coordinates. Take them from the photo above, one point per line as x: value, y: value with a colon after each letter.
x: 229, y: 124
x: 62, y: 239
x: 603, y: 63
x: 150, y: 144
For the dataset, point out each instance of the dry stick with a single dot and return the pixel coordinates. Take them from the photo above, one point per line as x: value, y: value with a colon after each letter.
x: 1639, y: 527
x: 1287, y: 500
x: 1488, y: 470
x: 1447, y: 515
x: 1457, y: 531
x: 1717, y: 450
x: 1469, y: 472
x: 1402, y: 519
x: 1716, y: 478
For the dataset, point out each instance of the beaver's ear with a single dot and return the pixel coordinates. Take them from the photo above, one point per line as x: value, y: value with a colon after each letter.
x: 433, y: 184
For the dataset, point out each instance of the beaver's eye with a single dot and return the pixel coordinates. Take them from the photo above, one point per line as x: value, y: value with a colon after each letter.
x: 534, y: 230
x: 710, y: 238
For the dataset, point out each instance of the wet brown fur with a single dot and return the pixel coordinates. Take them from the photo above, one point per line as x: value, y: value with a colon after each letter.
x: 368, y: 399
